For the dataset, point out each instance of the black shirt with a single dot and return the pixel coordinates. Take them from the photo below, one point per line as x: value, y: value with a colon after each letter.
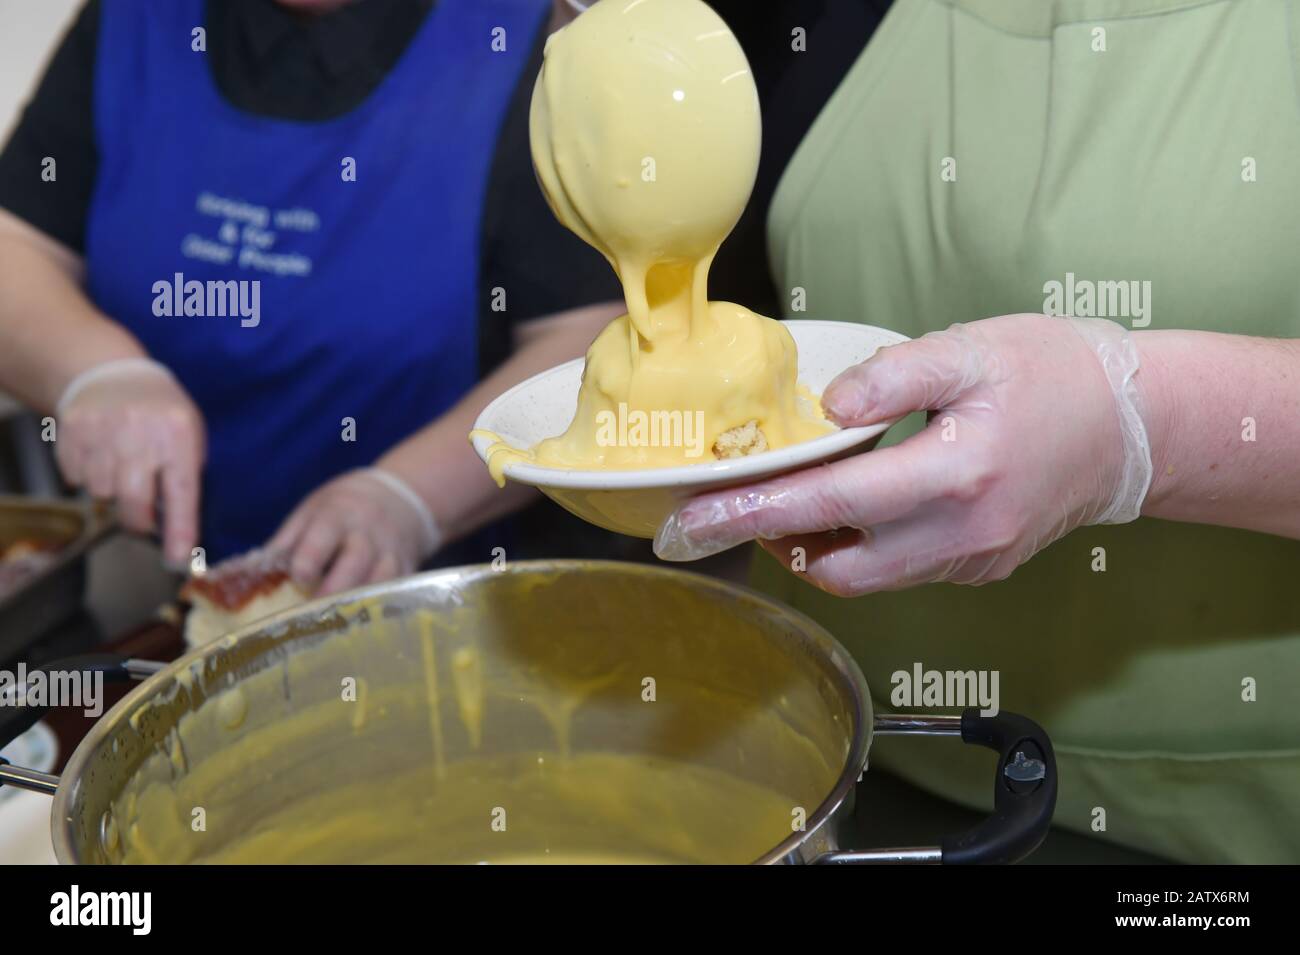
x: 793, y: 85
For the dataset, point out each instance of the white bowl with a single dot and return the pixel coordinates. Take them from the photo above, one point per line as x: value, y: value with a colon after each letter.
x: 636, y: 502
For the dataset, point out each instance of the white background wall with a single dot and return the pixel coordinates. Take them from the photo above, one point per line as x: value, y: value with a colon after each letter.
x: 29, y: 31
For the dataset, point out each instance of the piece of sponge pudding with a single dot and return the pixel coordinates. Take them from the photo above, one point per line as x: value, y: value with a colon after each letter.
x: 237, y: 592
x: 740, y: 441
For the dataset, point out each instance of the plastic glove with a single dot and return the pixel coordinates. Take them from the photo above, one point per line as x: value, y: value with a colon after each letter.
x: 128, y: 431
x: 1035, y: 430
x: 362, y: 527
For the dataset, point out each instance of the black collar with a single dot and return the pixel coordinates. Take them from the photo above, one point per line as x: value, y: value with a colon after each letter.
x: 272, y: 61
x: 340, y: 41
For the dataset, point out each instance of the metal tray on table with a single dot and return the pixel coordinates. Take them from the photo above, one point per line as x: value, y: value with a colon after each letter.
x: 54, y: 593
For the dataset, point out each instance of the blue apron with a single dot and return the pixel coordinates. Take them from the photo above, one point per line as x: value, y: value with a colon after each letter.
x: 316, y: 319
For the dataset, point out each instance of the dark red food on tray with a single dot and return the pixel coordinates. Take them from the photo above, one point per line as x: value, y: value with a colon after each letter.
x: 22, y: 560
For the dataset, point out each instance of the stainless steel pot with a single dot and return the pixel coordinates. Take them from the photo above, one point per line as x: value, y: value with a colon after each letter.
x: 511, y: 672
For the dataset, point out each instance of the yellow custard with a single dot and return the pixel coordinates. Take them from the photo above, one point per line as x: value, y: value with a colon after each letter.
x: 645, y: 137
x: 472, y: 741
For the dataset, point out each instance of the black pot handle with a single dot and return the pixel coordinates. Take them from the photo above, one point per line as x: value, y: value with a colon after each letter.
x: 16, y: 720
x: 1024, y: 790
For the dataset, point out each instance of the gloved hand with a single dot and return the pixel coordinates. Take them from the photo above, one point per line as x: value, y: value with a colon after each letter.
x: 361, y: 527
x: 1036, y: 429
x: 127, y: 430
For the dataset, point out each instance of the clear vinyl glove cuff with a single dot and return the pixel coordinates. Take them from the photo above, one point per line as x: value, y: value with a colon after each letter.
x: 117, y: 368
x: 1118, y: 354
x: 431, y: 536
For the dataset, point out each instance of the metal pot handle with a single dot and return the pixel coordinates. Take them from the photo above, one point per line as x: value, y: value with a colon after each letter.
x: 16, y: 719
x: 1024, y: 790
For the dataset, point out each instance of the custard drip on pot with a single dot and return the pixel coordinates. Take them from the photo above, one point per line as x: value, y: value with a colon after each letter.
x: 526, y: 737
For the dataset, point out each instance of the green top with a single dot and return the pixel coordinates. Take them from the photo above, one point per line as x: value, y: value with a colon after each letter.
x: 1169, y: 157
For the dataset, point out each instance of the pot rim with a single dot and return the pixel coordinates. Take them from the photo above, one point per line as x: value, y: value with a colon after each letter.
x: 833, y: 654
